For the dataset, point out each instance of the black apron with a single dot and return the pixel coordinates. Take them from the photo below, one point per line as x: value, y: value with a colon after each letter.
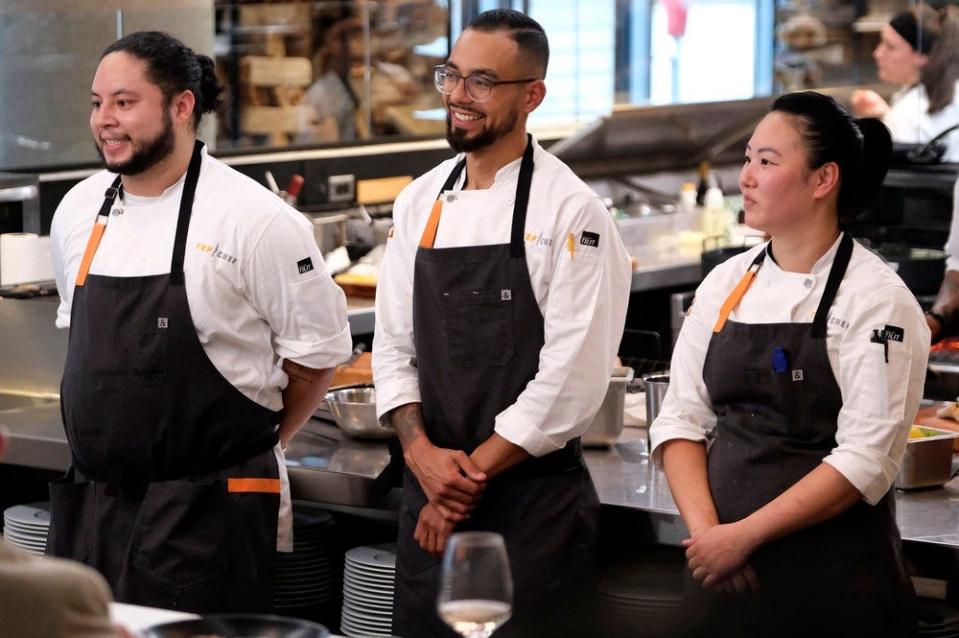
x: 173, y: 494
x: 777, y: 403
x: 478, y: 333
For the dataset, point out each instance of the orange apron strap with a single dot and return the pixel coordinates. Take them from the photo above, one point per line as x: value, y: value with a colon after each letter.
x: 429, y: 233
x: 92, y: 243
x: 735, y: 297
x: 253, y: 485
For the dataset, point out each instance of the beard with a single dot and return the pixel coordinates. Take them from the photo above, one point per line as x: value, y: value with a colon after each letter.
x: 459, y: 142
x: 147, y: 154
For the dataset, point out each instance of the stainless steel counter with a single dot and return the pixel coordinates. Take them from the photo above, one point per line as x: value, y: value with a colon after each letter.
x: 625, y: 477
x: 328, y: 467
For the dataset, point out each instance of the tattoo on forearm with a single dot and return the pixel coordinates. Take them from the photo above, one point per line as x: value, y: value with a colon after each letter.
x: 407, y: 420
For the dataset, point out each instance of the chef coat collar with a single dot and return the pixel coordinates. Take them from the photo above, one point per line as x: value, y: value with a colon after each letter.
x: 507, y: 174
x: 169, y: 191
x: 821, y: 267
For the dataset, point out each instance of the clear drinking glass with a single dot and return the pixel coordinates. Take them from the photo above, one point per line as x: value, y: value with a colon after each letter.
x: 476, y: 590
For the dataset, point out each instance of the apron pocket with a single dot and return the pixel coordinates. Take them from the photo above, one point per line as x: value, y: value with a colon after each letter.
x: 479, y: 327
x: 140, y: 355
x: 181, y: 534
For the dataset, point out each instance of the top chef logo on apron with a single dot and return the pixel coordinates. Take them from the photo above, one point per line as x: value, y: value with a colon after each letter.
x: 215, y: 252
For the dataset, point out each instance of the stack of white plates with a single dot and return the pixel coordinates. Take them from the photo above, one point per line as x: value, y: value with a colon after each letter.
x: 305, y: 578
x: 26, y: 526
x: 642, y: 598
x: 368, y: 591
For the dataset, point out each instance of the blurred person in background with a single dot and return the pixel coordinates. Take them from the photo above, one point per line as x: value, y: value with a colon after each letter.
x: 919, y: 52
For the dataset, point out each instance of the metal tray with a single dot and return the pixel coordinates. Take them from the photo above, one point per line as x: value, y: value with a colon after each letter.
x: 927, y: 461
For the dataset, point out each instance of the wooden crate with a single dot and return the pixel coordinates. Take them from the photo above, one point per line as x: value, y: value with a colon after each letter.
x: 267, y: 120
x: 260, y: 70
x: 276, y: 13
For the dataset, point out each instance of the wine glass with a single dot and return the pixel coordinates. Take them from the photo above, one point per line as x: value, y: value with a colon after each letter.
x: 476, y: 590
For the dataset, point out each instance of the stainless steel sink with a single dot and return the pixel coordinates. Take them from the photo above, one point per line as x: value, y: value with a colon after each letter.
x: 15, y: 401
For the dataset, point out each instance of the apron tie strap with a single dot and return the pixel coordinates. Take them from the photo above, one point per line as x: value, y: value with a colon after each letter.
x: 99, y: 226
x: 253, y: 486
x: 429, y: 233
x: 737, y: 294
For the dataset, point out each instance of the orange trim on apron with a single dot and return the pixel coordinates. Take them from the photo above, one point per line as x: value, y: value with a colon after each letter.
x: 735, y: 297
x: 429, y: 233
x: 253, y: 485
x: 92, y: 244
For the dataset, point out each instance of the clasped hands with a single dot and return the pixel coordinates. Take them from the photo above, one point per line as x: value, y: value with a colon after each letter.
x: 453, y: 485
x: 718, y: 557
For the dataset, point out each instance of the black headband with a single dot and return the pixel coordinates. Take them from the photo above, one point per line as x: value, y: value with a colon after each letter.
x: 905, y: 25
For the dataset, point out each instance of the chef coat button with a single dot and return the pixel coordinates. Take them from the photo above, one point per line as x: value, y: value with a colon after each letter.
x: 807, y: 283
x: 451, y: 198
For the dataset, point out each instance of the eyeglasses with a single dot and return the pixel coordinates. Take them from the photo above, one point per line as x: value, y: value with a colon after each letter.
x: 478, y: 87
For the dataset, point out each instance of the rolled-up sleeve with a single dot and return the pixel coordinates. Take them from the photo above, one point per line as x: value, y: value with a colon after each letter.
x: 880, y: 396
x: 687, y: 412
x: 584, y: 316
x: 394, y: 354
x: 290, y: 287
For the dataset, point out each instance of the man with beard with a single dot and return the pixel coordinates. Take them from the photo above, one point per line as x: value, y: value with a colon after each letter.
x: 499, y: 309
x: 203, y: 333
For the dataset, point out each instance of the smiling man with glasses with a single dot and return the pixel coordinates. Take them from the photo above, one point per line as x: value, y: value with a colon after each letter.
x: 500, y: 305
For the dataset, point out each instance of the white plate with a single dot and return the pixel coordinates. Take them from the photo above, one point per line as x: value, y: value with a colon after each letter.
x: 30, y: 513
x: 359, y: 579
x: 382, y: 556
x: 356, y: 632
x: 360, y: 623
x: 350, y: 591
x: 379, y: 588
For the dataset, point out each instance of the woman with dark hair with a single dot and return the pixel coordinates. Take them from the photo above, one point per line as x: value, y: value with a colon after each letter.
x: 919, y: 51
x: 795, y: 379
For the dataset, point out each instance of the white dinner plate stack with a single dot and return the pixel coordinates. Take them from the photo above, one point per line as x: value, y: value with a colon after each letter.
x: 26, y: 526
x: 306, y: 578
x: 368, y: 591
x: 642, y: 598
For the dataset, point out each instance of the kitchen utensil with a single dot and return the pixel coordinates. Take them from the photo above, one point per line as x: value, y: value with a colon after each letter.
x: 271, y: 182
x: 293, y: 188
x: 329, y: 230
x: 656, y: 386
x: 354, y: 410
x: 607, y: 425
x: 476, y: 587
x: 928, y: 460
x: 238, y: 625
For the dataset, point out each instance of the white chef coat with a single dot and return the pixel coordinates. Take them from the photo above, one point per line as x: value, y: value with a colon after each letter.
x: 909, y: 120
x: 251, y: 305
x: 880, y: 399
x: 583, y: 295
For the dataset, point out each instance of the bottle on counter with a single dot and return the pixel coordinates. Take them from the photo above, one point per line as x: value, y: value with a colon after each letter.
x: 717, y: 219
x: 687, y: 198
x: 707, y: 180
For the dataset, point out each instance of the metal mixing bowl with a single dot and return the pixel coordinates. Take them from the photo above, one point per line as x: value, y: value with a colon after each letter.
x: 354, y: 410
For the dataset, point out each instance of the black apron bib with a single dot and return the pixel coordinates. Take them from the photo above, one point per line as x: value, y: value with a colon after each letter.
x: 777, y: 401
x: 478, y: 333
x: 173, y: 494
